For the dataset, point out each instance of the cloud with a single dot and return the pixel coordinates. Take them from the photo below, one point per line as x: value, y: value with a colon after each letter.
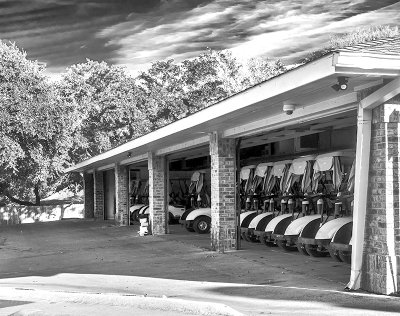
x: 62, y: 32
x: 136, y: 33
x: 282, y: 29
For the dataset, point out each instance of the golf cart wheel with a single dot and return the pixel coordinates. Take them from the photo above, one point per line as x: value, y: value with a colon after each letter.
x: 202, y: 224
x: 189, y: 229
x: 267, y: 243
x: 263, y: 240
x: 282, y: 244
x: 334, y: 254
x: 345, y: 256
x: 301, y: 249
x: 135, y: 216
x: 313, y: 252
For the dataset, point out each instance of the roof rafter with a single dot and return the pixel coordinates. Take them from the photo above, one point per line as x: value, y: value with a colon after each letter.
x: 382, y: 95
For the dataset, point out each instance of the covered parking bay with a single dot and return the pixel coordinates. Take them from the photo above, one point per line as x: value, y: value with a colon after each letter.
x: 255, y: 117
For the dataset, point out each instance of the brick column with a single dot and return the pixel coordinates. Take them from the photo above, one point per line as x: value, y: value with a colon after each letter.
x: 121, y: 194
x: 223, y: 193
x: 381, y: 257
x: 98, y: 194
x: 158, y: 194
x: 88, y: 185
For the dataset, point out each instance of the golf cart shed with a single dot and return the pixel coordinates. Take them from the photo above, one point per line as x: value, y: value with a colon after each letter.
x: 369, y: 100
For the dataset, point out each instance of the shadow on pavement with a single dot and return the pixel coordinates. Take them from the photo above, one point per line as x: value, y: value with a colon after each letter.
x: 8, y: 303
x: 361, y: 301
x: 97, y: 248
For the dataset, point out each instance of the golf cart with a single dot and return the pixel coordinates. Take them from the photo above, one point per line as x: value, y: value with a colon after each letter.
x: 336, y: 234
x: 198, y: 217
x: 326, y: 183
x: 139, y: 199
x: 270, y: 189
x: 174, y: 211
x: 247, y: 212
x: 295, y: 186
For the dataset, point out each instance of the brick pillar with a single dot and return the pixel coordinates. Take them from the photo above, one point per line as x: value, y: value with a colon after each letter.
x: 98, y: 194
x: 88, y: 186
x: 223, y: 193
x: 121, y: 195
x: 158, y: 194
x: 381, y: 257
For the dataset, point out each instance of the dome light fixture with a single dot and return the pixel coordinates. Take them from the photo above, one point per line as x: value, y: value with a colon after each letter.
x: 341, y: 84
x: 289, y: 108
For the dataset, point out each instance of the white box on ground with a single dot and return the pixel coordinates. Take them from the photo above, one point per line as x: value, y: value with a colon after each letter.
x: 143, y: 220
x: 143, y: 231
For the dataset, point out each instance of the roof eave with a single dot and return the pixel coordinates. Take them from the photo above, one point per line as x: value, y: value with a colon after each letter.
x: 335, y: 63
x: 371, y: 64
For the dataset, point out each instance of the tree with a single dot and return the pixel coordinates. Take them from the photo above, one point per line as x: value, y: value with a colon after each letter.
x: 34, y: 129
x: 210, y: 78
x: 46, y: 127
x: 260, y: 69
x: 172, y: 91
x: 162, y: 93
x: 106, y: 99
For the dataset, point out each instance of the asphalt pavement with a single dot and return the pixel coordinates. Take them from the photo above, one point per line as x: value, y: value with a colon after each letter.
x: 87, y: 267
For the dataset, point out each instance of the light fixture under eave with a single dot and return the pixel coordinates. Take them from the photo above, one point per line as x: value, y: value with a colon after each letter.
x: 341, y: 84
x: 288, y: 108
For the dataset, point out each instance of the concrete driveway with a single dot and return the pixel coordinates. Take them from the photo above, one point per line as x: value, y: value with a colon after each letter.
x: 85, y: 267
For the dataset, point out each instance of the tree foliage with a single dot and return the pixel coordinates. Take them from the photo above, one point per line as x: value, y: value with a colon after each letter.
x: 172, y: 91
x: 48, y: 126
x: 106, y: 99
x: 34, y: 129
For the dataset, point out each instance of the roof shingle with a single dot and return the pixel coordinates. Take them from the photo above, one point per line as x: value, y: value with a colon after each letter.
x: 387, y: 46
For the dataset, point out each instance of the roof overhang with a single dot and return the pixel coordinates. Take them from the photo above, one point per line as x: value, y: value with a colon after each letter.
x: 259, y: 109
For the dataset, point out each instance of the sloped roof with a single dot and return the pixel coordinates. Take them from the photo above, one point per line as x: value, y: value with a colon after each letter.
x: 387, y: 46
x: 231, y: 115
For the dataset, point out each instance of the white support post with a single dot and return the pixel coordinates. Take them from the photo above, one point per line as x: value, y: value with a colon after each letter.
x: 360, y: 194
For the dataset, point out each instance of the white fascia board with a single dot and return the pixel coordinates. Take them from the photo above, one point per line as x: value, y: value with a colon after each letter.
x: 292, y: 135
x: 381, y: 95
x: 106, y: 167
x: 302, y: 114
x: 293, y: 79
x: 343, y: 123
x: 135, y: 159
x: 368, y: 64
x: 183, y: 146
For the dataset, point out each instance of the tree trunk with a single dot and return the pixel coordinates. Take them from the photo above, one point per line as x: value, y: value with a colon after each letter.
x: 20, y: 202
x: 37, y: 194
x: 13, y: 199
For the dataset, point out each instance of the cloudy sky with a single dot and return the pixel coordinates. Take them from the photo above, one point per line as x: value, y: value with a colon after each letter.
x: 134, y: 33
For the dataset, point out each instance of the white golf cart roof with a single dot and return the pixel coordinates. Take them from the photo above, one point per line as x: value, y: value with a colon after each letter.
x: 279, y: 166
x: 196, y: 175
x: 262, y: 168
x: 299, y: 164
x: 324, y: 162
x: 245, y: 172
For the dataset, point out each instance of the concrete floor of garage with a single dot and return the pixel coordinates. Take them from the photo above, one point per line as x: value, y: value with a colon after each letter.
x: 273, y: 257
x: 96, y: 257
